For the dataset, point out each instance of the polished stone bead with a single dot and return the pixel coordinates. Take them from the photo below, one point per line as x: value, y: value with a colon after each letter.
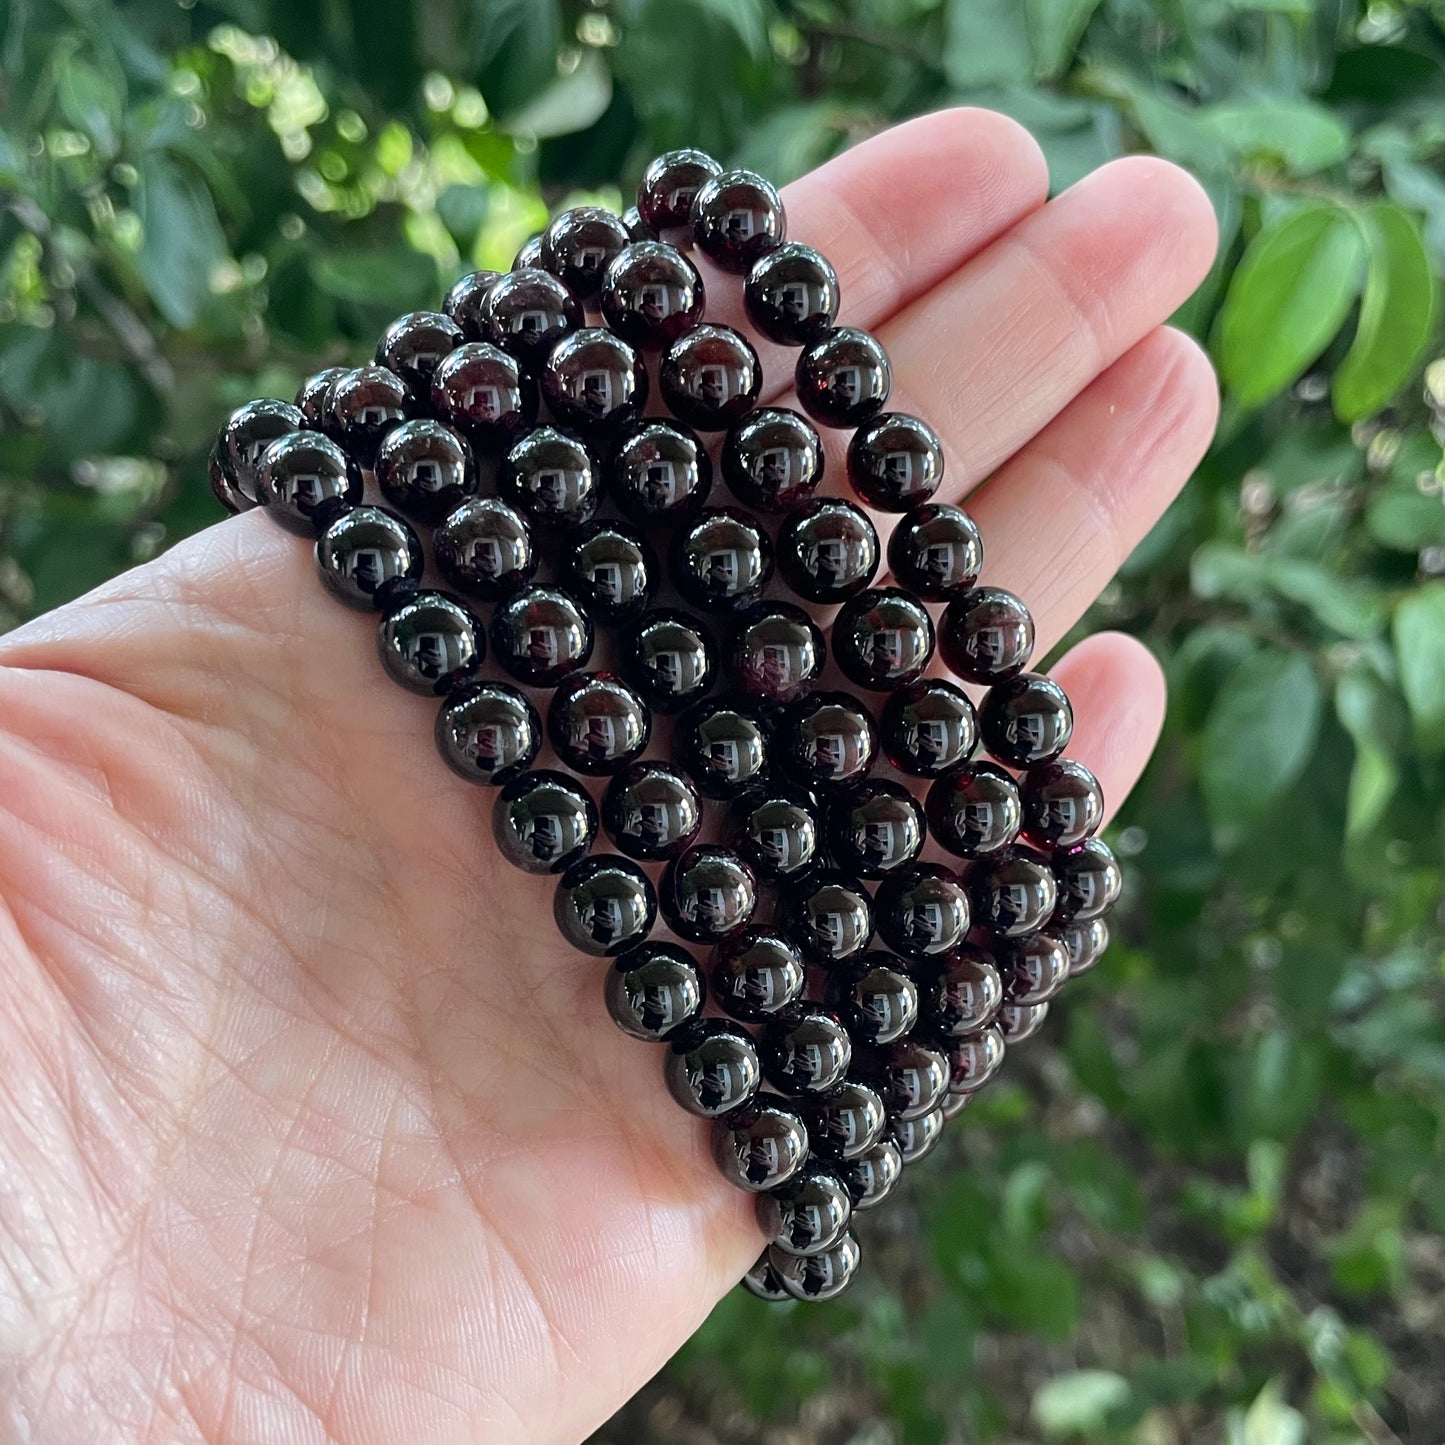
x: 595, y: 382
x: 653, y: 989
x: 708, y: 893
x: 875, y: 998
x: 540, y: 635
x: 636, y: 226
x: 827, y: 551
x: 314, y: 394
x: 431, y: 643
x: 604, y: 904
x: 651, y: 294
x: 986, y: 635
x: 611, y: 570
x: 721, y: 560
x: 413, y: 345
x: 596, y: 723
x: 242, y: 440
x: 722, y: 747
x: 485, y: 394
x: 911, y: 1076
x: 755, y: 973
x: 466, y: 303
x: 773, y: 459
x: 761, y: 1145
x: 922, y: 911
x: 712, y: 1067
x: 817, y: 1277
x: 826, y: 915
x: 962, y: 993
x: 763, y: 1282
x: 883, y: 639
x: 1012, y: 891
x: 928, y: 728
x: 778, y: 830
x: 974, y: 810
x: 1020, y: 1021
x: 665, y: 193
x: 305, y: 481
x: 710, y: 376
x: 367, y: 555
x: 778, y: 652
x: 484, y: 548
x: 974, y: 1060
x: 1063, y: 804
x: 544, y: 821
x: 953, y: 1105
x: 425, y: 470
x: 1089, y: 880
x: 526, y: 313
x: 1033, y: 969
x: 935, y: 551
x: 828, y: 739
x: 917, y: 1138
x: 737, y: 217
x: 844, y: 1122
x: 792, y: 294
x: 659, y: 472
x: 529, y: 256
x: 843, y: 377
x: 809, y: 1214
x: 488, y: 732
x: 871, y: 1176
x: 550, y: 477
x: 1026, y: 720
x: 669, y: 657
x: 804, y: 1049
x: 895, y: 461
x: 651, y: 811
x: 363, y: 406
x: 874, y: 828
x: 580, y: 244
x: 1085, y: 940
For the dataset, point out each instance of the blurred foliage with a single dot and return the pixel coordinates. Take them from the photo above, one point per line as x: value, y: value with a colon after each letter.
x: 1206, y: 1205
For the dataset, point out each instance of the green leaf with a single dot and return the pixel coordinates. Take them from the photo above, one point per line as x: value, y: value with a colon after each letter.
x: 1054, y: 28
x: 572, y: 102
x: 1302, y: 137
x: 1293, y: 289
x: 1371, y: 713
x: 1405, y: 519
x: 1397, y: 315
x: 1270, y: 1420
x: 1419, y: 628
x: 986, y: 42
x: 182, y: 239
x: 92, y: 99
x: 514, y: 44
x: 1079, y: 1403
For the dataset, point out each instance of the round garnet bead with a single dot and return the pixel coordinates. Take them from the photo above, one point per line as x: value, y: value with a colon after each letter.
x: 828, y: 739
x: 827, y: 551
x: 240, y: 444
x: 362, y: 406
x: 1085, y: 939
x: 928, y: 728
x: 778, y: 652
x: 876, y: 1000
x: 792, y: 294
x: 368, y: 554
x: 761, y: 1145
x: 763, y: 1282
x: 550, y: 477
x: 883, y: 639
x: 874, y: 828
x: 430, y: 643
x: 710, y: 376
x: 1020, y: 1021
x: 1026, y: 720
x: 708, y: 893
x: 1033, y: 969
x: 313, y: 393
x: 974, y: 1060
x: 895, y: 461
x: 596, y: 723
x: 1063, y: 804
x: 659, y: 472
x: 843, y: 377
x: 595, y: 382
x: 827, y: 915
x: 425, y: 470
x: 755, y: 973
x: 669, y: 657
x: 611, y: 570
x: 817, y: 1277
x: 653, y: 989
x: 1013, y: 892
x: 651, y: 294
x: 540, y: 635
x: 844, y: 1122
x: 466, y: 303
x: 666, y: 191
x: 737, y: 216
x: 986, y: 635
x: 974, y: 810
x: 488, y: 732
x: 922, y: 911
x: 527, y: 313
x: 482, y: 392
x: 305, y: 480
x: 721, y: 560
x: 871, y: 1176
x: 808, y: 1215
x: 413, y: 345
x: 544, y: 821
x: 651, y: 812
x: 935, y: 551
x: 1089, y: 880
x: 722, y: 747
x: 911, y: 1076
x: 484, y: 549
x: 917, y: 1138
x: 604, y: 905
x: 773, y: 459
x: 580, y: 244
x: 778, y: 830
x: 712, y: 1067
x: 804, y: 1049
x: 963, y: 993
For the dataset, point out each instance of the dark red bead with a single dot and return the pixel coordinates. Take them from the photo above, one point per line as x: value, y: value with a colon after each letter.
x: 778, y: 830
x: 653, y: 989
x: 773, y: 459
x: 313, y: 395
x: 817, y: 1277
x: 712, y: 1067
x: 737, y: 216
x: 636, y: 226
x: 962, y: 993
x: 755, y: 973
x: 844, y: 1122
x: 763, y: 1282
x: 596, y: 723
x: 826, y: 915
x: 430, y: 643
x: 363, y: 406
x: 721, y: 560
x: 580, y: 244
x: 986, y: 635
x: 883, y: 639
x: 808, y: 1215
x: 413, y: 345
x: 551, y: 478
x: 710, y: 377
x: 659, y: 472
x: 483, y: 392
x: 527, y: 313
x: 874, y: 828
x: 778, y: 652
x: 1033, y: 969
x: 974, y: 1060
x: 871, y: 1176
x: 1089, y: 880
x: 804, y: 1049
x: 305, y: 481
x: 1020, y: 1021
x: 604, y: 905
x: 367, y: 554
x: 876, y: 1000
x: 543, y: 821
x: 974, y: 810
x: 922, y: 911
x: 828, y: 739
x: 484, y: 549
x: 1063, y: 804
x: 827, y: 551
x: 529, y: 256
x: 666, y: 191
x: 910, y: 1076
x: 708, y: 893
x: 466, y: 303
x: 488, y: 732
x: 425, y: 470
x: 594, y: 381
x: 611, y: 569
x: 651, y: 812
x: 895, y: 461
x: 928, y: 728
x: 792, y: 294
x: 1012, y: 891
x: 669, y: 657
x: 1026, y: 720
x: 651, y: 294
x: 917, y: 1138
x: 761, y: 1145
x: 1085, y: 940
x: 843, y: 377
x: 722, y: 747
x: 540, y: 635
x: 935, y: 551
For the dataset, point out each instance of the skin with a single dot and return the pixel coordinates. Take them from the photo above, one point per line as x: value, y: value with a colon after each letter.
x: 309, y: 1127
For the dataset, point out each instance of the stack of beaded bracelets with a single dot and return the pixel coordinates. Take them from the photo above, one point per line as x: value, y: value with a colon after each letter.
x: 858, y: 1054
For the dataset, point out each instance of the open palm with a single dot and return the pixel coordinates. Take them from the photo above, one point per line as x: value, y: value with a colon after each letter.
x: 310, y: 1126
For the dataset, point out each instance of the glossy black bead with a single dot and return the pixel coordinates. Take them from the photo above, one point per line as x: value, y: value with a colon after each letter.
x: 540, y: 635
x: 1063, y: 804
x: 484, y: 393
x: 986, y: 635
x: 883, y: 639
x: 665, y: 193
x: 313, y: 395
x: 579, y: 245
x: 761, y: 1145
x: 828, y: 739
x: 527, y: 312
x: 721, y: 560
x: 364, y: 405
x: 928, y: 728
x: 843, y: 377
x: 368, y: 554
x: 895, y: 461
x: 778, y: 652
x: 596, y: 723
x: 809, y: 1214
x: 1089, y: 880
x: 712, y: 1067
x: 425, y: 470
x: 544, y: 821
x: 875, y: 998
x: 659, y: 472
x: 911, y: 1077
x: 669, y: 657
x: 974, y: 810
x: 922, y: 911
x: 466, y: 303
x: 792, y: 294
x: 755, y: 973
x: 708, y: 893
x: 240, y: 443
x: 935, y: 551
x: 529, y: 255
x: 1012, y: 892
x: 816, y: 1278
x: 804, y: 1049
x: 653, y: 989
x: 1085, y: 941
x: 772, y: 459
x: 827, y: 551
x: 722, y: 747
x: 826, y: 915
x: 594, y: 381
x: 651, y: 294
x: 844, y: 1122
x: 431, y: 643
x: 954, y: 1104
x: 917, y: 1138
x: 651, y: 812
x: 604, y: 904
x: 974, y: 1060
x: 778, y: 830
x: 305, y: 480
x: 1033, y: 969
x: 413, y: 345
x: 710, y: 377
x: 871, y: 1176
x: 488, y: 732
x: 611, y: 570
x: 874, y: 828
x: 962, y: 993
x: 763, y: 1282
x: 636, y: 226
x: 1020, y: 1021
x: 1026, y: 720
x: 484, y: 548
x: 551, y: 478
x: 737, y: 217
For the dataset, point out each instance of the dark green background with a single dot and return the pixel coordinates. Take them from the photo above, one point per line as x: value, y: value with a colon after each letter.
x: 1206, y: 1205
